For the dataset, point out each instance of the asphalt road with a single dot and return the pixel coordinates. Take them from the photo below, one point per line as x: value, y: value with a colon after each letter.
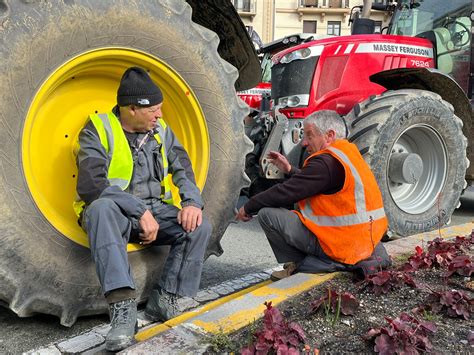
x: 246, y: 251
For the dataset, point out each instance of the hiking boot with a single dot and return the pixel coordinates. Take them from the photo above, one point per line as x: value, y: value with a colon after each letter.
x: 287, y: 271
x: 161, y: 306
x: 288, y: 264
x: 123, y: 316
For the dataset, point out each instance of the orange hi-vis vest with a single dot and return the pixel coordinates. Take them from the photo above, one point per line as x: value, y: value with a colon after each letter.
x: 350, y: 222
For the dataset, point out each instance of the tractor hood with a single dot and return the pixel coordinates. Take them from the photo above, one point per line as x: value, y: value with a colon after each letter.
x: 235, y: 45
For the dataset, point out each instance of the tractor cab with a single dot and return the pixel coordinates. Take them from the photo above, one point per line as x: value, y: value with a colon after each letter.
x: 447, y: 24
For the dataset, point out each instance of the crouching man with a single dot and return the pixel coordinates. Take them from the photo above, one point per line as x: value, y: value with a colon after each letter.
x: 340, y: 219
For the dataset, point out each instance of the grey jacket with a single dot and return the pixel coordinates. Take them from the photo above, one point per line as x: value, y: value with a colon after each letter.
x: 93, y: 162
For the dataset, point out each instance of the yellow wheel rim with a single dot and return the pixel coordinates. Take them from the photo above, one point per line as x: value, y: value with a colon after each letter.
x: 86, y: 84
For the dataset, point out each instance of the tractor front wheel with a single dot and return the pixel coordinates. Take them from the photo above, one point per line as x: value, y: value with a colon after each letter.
x: 415, y: 146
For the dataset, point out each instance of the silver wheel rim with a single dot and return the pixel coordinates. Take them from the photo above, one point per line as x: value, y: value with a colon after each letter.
x: 428, y: 144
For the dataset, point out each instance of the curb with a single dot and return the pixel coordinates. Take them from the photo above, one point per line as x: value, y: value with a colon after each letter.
x: 225, y: 308
x: 191, y: 335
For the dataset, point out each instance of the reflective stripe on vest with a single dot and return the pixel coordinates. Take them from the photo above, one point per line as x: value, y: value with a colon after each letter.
x: 116, y: 145
x: 362, y: 216
x: 166, y: 195
x: 350, y: 222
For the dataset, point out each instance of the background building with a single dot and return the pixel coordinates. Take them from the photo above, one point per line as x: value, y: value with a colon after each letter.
x: 273, y: 19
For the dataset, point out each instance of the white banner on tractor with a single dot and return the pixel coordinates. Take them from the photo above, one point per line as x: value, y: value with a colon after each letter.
x: 418, y: 51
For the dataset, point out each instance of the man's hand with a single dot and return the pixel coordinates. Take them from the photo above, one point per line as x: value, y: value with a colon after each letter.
x: 279, y: 161
x: 190, y: 218
x: 149, y: 228
x: 242, y: 215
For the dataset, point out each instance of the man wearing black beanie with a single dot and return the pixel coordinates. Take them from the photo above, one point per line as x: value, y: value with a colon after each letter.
x: 125, y: 160
x: 137, y: 88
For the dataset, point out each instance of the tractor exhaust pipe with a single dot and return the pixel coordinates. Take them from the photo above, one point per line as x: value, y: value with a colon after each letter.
x: 361, y: 23
x: 367, y: 6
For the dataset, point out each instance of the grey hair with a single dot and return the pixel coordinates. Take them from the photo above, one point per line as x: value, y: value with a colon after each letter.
x: 326, y: 120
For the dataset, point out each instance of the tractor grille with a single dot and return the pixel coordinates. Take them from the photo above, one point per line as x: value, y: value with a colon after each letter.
x: 293, y: 78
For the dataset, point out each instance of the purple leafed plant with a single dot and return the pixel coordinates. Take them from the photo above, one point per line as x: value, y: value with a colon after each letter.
x: 277, y: 336
x: 464, y: 242
x: 454, y: 303
x: 470, y: 338
x: 403, y: 335
x: 440, y: 253
x: 386, y: 281
x: 461, y: 265
x: 333, y: 304
x: 333, y: 300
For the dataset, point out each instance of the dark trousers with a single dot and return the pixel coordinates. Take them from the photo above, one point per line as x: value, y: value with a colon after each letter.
x: 290, y: 240
x: 109, y: 231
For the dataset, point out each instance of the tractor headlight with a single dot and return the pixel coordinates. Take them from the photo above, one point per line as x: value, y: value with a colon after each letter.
x: 298, y: 54
x: 293, y: 101
x: 303, y: 53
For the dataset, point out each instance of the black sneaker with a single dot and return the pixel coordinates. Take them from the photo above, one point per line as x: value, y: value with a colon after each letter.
x: 123, y: 316
x: 161, y: 306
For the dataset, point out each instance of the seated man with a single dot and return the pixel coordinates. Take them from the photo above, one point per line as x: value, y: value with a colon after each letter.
x: 123, y: 186
x: 340, y: 218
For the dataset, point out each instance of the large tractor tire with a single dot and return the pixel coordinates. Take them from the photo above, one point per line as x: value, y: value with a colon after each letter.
x: 415, y: 146
x: 62, y: 60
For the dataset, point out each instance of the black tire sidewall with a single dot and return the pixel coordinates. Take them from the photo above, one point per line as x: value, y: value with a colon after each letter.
x: 37, y: 262
x: 432, y: 113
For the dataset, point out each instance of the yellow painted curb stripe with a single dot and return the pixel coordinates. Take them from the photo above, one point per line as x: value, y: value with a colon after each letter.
x: 407, y: 245
x: 156, y: 329
x: 447, y: 232
x: 249, y: 307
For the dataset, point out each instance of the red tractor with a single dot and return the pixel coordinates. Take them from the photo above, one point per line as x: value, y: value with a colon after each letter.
x: 405, y: 97
x: 258, y: 99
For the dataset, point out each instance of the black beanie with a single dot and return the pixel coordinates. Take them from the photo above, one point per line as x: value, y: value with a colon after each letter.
x: 137, y: 88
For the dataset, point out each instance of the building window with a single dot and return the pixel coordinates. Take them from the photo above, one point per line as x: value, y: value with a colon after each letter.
x: 334, y: 28
x: 309, y: 3
x: 378, y: 27
x: 309, y: 26
x: 335, y: 3
x: 242, y: 5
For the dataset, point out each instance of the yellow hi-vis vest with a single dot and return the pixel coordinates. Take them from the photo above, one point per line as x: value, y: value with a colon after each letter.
x: 116, y: 145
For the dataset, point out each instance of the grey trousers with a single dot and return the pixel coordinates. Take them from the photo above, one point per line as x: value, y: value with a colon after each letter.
x: 290, y: 240
x: 109, y: 231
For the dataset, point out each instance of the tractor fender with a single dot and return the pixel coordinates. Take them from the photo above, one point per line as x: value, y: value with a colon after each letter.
x: 235, y: 46
x: 433, y: 80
